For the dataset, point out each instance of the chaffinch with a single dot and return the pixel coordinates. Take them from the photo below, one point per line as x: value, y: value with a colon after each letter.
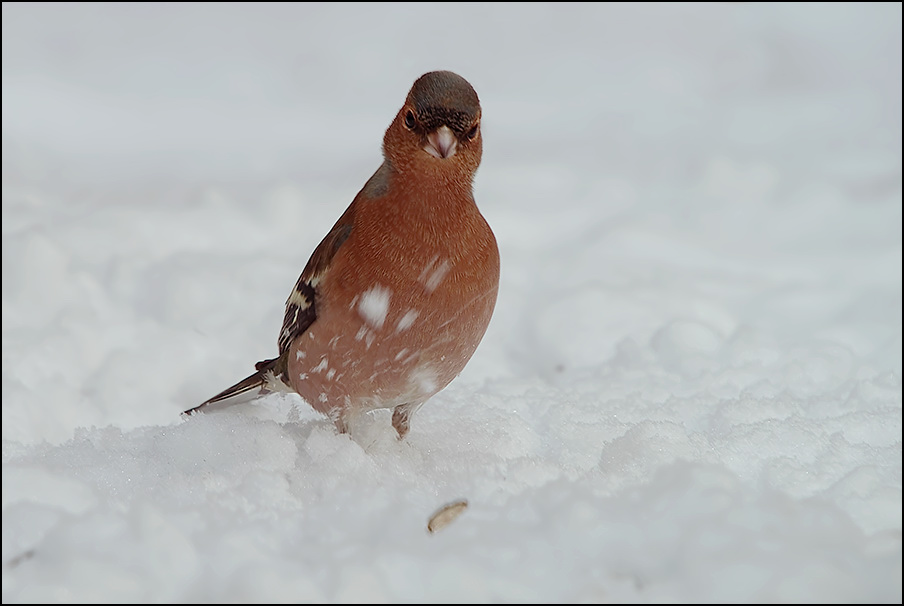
x: 394, y: 301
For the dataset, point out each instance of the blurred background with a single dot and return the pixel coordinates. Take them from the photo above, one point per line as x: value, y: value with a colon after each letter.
x: 698, y: 208
x: 163, y: 161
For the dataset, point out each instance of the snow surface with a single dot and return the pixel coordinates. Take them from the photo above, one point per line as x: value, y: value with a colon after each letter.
x: 690, y: 390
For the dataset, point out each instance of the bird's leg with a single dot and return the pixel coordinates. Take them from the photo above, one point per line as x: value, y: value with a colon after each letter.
x: 341, y: 423
x: 401, y: 418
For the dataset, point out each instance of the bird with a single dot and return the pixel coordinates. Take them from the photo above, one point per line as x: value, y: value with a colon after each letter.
x: 395, y: 299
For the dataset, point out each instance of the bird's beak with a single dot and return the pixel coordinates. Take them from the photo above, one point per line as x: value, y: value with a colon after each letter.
x: 441, y: 143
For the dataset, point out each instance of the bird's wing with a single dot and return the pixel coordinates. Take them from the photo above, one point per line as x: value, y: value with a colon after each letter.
x: 300, y: 307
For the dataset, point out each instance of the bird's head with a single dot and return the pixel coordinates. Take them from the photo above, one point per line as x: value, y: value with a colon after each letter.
x: 438, y: 127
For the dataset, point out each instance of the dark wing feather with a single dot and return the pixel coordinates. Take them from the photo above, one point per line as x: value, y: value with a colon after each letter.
x: 301, y: 308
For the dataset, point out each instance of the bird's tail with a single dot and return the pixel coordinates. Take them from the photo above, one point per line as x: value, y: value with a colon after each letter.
x: 258, y: 379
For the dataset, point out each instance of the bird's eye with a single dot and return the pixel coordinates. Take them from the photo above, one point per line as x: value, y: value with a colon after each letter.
x: 473, y: 132
x: 409, y: 120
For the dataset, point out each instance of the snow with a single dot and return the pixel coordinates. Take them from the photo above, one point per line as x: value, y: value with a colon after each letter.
x: 690, y: 390
x: 407, y: 320
x: 373, y: 306
x: 433, y: 273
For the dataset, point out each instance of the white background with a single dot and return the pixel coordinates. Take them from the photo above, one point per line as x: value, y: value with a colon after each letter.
x: 690, y: 389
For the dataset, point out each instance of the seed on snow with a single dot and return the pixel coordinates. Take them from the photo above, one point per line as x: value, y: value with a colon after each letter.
x: 446, y: 514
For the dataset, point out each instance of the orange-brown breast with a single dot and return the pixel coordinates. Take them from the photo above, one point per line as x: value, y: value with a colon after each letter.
x: 403, y: 306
